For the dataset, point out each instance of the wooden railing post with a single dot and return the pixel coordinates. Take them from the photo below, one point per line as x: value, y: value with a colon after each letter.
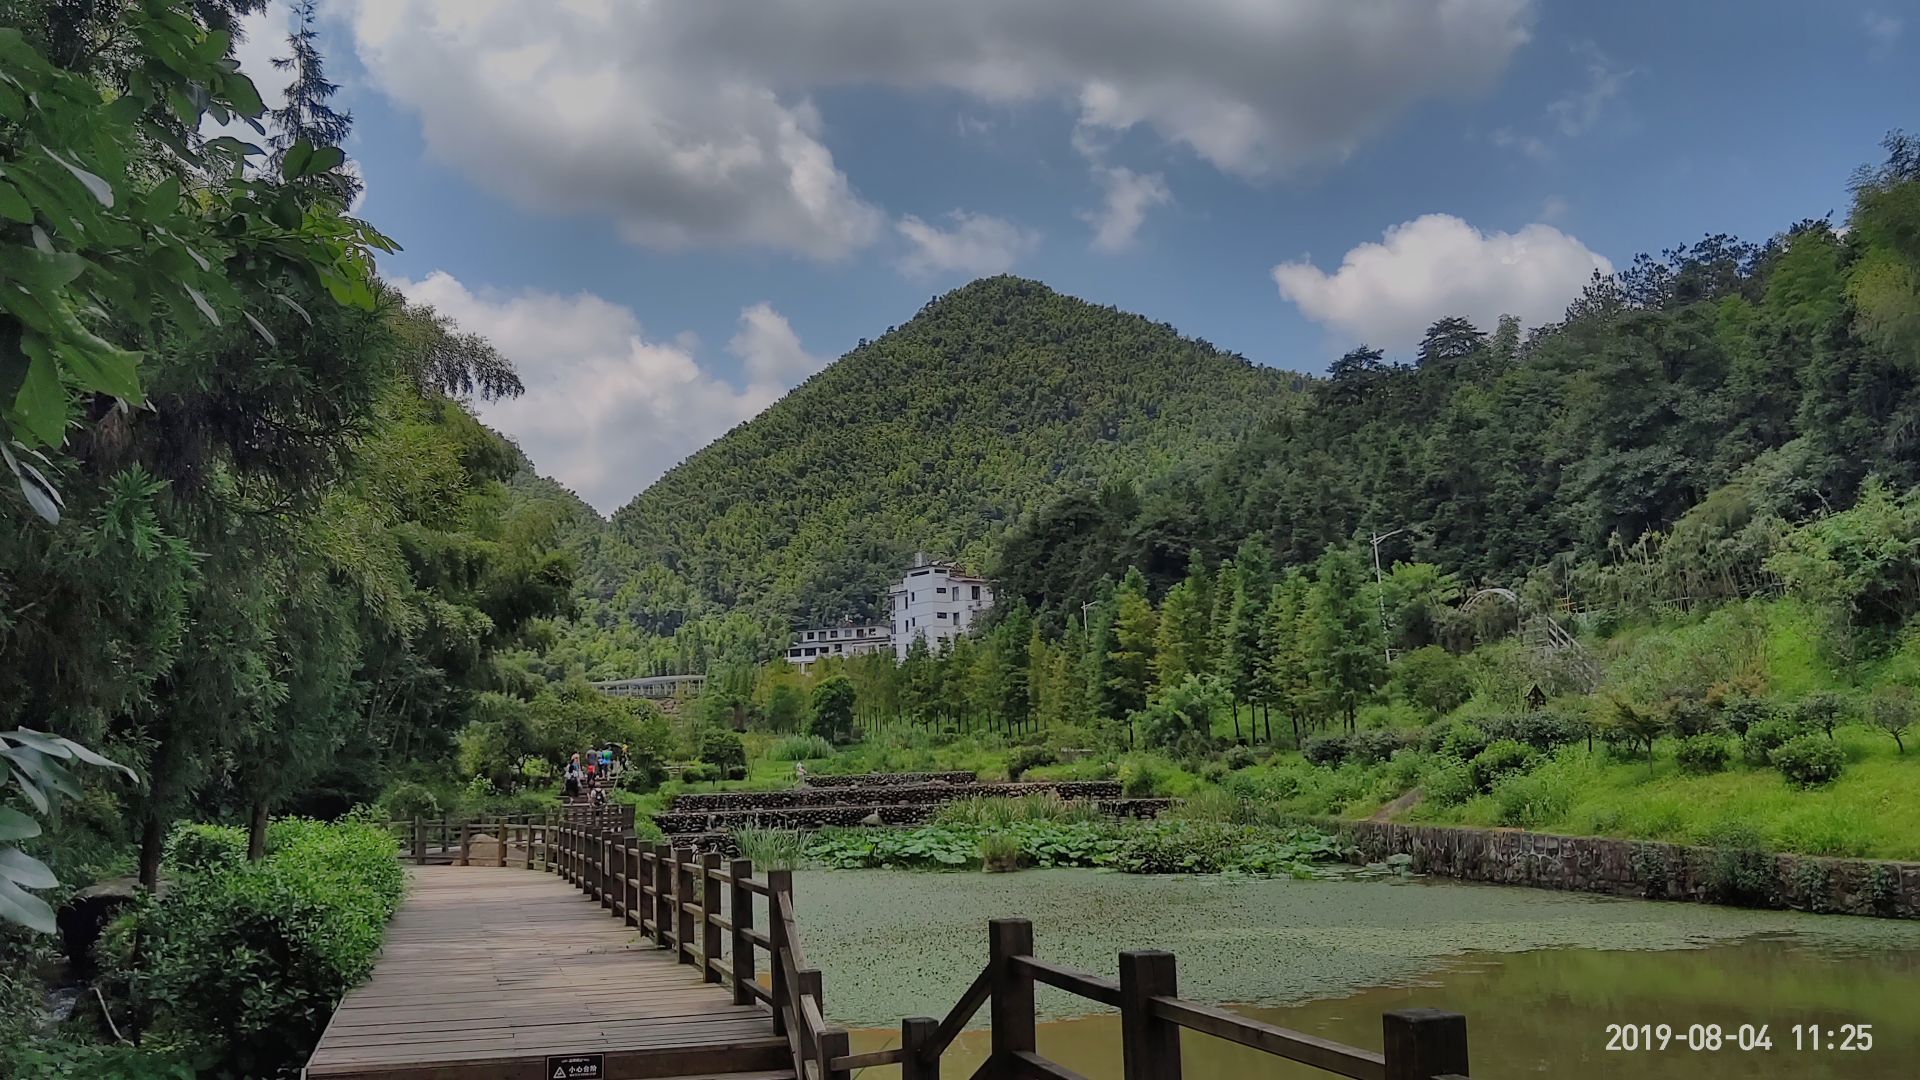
x: 662, y: 894
x: 709, y: 916
x: 603, y: 856
x: 916, y: 1038
x: 1425, y: 1043
x: 834, y: 1043
x: 630, y: 862
x: 466, y: 843
x: 419, y: 842
x: 1012, y: 1002
x: 740, y: 907
x: 779, y: 884
x: 684, y: 941
x: 1149, y: 1046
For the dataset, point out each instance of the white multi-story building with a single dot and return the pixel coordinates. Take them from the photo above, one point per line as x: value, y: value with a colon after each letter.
x: 812, y: 646
x: 936, y: 602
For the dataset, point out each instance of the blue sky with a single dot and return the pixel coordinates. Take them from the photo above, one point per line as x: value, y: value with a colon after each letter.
x: 669, y: 214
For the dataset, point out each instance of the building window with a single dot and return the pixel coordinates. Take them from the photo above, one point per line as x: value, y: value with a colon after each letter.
x: 976, y: 592
x: 942, y: 590
x: 940, y: 615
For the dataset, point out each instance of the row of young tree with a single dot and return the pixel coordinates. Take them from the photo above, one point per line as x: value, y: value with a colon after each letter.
x: 1301, y: 647
x: 258, y: 548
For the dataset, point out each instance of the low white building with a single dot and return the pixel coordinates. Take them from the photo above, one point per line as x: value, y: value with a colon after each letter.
x: 811, y: 646
x: 936, y: 602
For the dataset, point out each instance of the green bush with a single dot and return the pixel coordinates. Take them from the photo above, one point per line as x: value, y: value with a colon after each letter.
x: 1499, y: 759
x: 999, y: 853
x: 833, y: 701
x: 1180, y: 718
x: 1239, y: 757
x: 1432, y: 678
x: 1741, y: 868
x: 1741, y: 713
x: 1545, y: 731
x: 1326, y: 750
x: 1821, y: 711
x: 1769, y: 734
x: 247, y: 960
x: 198, y: 848
x: 1142, y: 778
x: 1529, y: 800
x: 408, y: 800
x: 1450, y: 784
x: 1462, y: 740
x: 1702, y: 754
x: 725, y: 752
x: 1029, y: 757
x: 800, y: 748
x: 701, y: 774
x: 1809, y: 761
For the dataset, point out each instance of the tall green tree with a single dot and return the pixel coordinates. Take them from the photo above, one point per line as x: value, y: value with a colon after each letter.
x: 1348, y: 650
x: 1286, y: 667
x: 1130, y: 657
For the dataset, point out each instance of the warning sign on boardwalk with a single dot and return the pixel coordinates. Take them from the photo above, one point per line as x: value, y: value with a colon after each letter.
x: 577, y: 1067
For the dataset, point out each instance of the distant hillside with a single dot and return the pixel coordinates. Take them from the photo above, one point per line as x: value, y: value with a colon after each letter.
x: 993, y: 399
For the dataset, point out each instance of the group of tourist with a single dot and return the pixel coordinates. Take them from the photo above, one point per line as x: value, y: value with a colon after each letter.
x: 583, y: 769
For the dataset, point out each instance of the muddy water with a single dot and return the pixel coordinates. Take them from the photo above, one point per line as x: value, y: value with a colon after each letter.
x: 1539, y: 975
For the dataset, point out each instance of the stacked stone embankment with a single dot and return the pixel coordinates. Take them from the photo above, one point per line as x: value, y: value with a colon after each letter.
x: 706, y: 820
x: 903, y: 779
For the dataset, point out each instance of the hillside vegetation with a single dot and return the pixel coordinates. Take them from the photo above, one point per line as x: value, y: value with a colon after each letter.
x: 934, y: 437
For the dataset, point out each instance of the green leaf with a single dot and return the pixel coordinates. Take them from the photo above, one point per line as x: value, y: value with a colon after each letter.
x: 326, y: 159
x: 22, y: 907
x: 261, y: 329
x: 31, y: 790
x: 39, y: 740
x: 39, y: 492
x: 294, y: 165
x: 99, y: 366
x: 98, y: 188
x: 95, y: 759
x: 200, y: 302
x: 13, y: 205
x: 25, y: 870
x: 15, y: 825
x: 40, y: 407
x: 240, y: 92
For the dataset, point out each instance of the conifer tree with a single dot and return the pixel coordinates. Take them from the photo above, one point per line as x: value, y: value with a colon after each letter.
x: 1130, y: 657
x: 1286, y: 668
x: 308, y: 115
x: 1349, y: 652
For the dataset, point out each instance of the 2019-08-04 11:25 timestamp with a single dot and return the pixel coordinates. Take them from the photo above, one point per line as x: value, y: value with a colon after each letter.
x: 1741, y: 1038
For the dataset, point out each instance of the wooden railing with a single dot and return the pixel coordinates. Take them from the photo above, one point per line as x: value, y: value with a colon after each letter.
x: 703, y: 909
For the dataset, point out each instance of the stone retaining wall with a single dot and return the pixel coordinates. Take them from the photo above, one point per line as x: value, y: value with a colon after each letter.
x: 890, y: 779
x: 1645, y: 869
x: 676, y: 823
x: 892, y: 794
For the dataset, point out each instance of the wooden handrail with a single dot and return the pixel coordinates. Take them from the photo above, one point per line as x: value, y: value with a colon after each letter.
x: 703, y: 912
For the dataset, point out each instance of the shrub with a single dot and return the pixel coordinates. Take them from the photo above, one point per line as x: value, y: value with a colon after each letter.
x: 199, y: 848
x: 1463, y: 741
x: 1498, y: 760
x: 999, y: 853
x: 800, y: 748
x: 1767, y: 735
x: 1029, y: 757
x: 1809, y: 761
x: 1374, y: 746
x: 1449, y: 785
x: 701, y: 774
x: 1142, y: 778
x: 637, y: 781
x: 1687, y: 717
x: 1742, y: 713
x: 723, y: 750
x: 1180, y: 719
x: 1239, y: 757
x: 1891, y: 709
x: 1741, y: 869
x: 407, y: 800
x: 1821, y: 711
x: 1545, y: 731
x: 1528, y: 800
x: 1702, y: 754
x: 1326, y: 750
x: 247, y: 960
x: 1432, y: 678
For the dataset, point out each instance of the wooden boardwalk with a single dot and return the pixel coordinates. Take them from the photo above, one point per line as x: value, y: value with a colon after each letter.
x: 488, y: 972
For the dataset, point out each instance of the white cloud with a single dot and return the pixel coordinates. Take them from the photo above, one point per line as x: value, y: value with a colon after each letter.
x: 976, y: 245
x: 1884, y: 29
x: 1129, y: 195
x: 1577, y: 113
x: 1388, y: 293
x: 770, y: 349
x: 689, y: 124
x: 1552, y: 209
x: 262, y: 37
x: 606, y: 409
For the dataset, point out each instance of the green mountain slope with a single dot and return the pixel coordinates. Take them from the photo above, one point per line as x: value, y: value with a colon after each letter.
x: 994, y: 398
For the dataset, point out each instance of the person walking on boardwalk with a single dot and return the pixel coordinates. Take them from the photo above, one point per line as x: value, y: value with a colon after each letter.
x: 573, y: 776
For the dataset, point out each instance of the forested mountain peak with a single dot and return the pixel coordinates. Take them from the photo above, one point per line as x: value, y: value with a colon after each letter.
x: 937, y: 436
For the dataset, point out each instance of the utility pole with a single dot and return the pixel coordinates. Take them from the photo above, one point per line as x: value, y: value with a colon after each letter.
x: 1380, y: 591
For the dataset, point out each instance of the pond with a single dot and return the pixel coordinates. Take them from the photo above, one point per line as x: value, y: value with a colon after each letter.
x: 1539, y: 975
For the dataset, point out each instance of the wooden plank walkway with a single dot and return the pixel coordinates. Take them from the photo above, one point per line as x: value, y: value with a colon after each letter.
x: 488, y: 972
